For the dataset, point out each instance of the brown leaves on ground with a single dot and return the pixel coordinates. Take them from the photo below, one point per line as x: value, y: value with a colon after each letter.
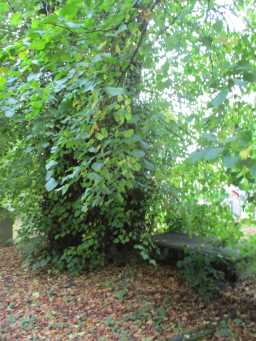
x: 136, y: 302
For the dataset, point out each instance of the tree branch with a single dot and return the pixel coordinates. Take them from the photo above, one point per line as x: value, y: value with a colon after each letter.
x: 142, y: 35
x: 84, y: 32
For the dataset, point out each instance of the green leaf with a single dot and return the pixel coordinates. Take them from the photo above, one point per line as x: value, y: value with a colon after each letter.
x: 71, y: 8
x: 60, y: 84
x: 219, y: 99
x: 111, y: 91
x: 149, y: 165
x: 3, y: 8
x: 209, y: 137
x: 73, y: 25
x: 12, y: 101
x: 16, y: 19
x: 86, y: 85
x: 230, y: 161
x: 128, y: 133
x: 218, y: 26
x: 93, y: 150
x: 2, y: 82
x: 51, y: 184
x: 97, y: 166
x: 51, y: 164
x: 196, y: 156
x: 102, y: 134
x: 49, y: 175
x: 94, y: 176
x: 138, y: 153
x: 38, y: 44
x: 33, y: 77
x: 9, y: 112
x: 211, y: 154
x: 250, y: 77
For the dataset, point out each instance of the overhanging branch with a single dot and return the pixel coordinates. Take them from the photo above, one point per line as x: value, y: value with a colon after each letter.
x: 142, y: 36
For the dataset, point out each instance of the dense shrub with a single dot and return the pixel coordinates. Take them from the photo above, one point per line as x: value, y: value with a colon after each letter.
x: 81, y: 132
x: 202, y: 273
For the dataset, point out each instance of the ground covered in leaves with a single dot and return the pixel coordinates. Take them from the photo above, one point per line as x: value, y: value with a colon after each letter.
x: 135, y: 302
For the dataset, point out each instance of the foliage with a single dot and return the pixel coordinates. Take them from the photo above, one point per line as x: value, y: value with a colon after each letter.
x: 84, y: 136
x: 225, y: 131
x: 247, y: 265
x: 118, y: 116
x: 193, y: 201
x: 200, y: 271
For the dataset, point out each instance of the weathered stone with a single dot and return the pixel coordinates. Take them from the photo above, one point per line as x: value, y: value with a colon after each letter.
x: 181, y: 242
x: 173, y: 247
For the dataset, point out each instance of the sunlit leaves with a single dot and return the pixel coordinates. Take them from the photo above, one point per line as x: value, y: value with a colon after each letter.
x: 71, y: 8
x: 51, y: 184
x: 38, y: 44
x: 220, y: 98
x: 245, y: 153
x: 51, y: 164
x: 207, y: 154
x: 3, y: 7
x: 16, y: 19
x: 2, y: 83
x: 128, y: 133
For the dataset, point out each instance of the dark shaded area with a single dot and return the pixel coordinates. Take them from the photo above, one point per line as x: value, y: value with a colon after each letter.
x: 6, y: 225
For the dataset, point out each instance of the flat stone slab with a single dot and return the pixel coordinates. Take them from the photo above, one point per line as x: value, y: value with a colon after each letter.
x: 181, y: 242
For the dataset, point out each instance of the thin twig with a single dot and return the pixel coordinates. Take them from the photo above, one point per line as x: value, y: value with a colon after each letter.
x: 84, y: 32
x: 60, y: 26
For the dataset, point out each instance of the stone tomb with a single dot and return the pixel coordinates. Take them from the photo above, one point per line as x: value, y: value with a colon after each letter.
x: 173, y: 247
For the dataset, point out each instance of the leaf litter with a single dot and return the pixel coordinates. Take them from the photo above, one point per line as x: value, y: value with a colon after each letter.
x: 133, y: 302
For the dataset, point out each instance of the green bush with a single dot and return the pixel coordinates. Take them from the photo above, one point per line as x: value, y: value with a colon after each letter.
x: 247, y: 264
x: 200, y: 272
x: 79, y: 166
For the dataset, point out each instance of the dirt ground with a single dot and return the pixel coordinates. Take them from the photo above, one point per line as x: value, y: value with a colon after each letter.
x: 135, y: 302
